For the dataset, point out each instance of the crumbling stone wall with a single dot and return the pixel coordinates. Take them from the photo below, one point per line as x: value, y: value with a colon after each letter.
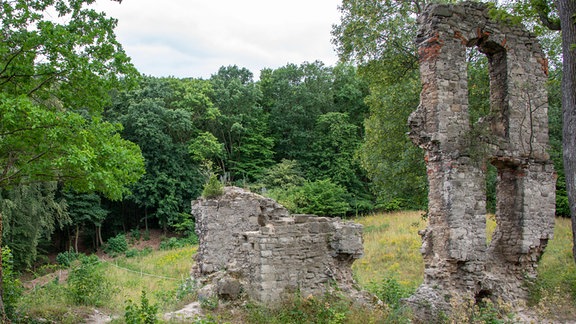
x: 459, y: 264
x: 250, y: 245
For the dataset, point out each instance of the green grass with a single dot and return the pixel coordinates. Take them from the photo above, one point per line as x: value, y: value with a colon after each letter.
x: 391, y: 267
x: 553, y: 294
x: 161, y: 273
x: 391, y: 249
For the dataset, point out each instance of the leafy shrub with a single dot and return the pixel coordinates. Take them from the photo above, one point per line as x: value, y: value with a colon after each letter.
x: 209, y: 303
x: 183, y: 224
x: 132, y: 253
x: 186, y: 288
x: 67, y: 258
x: 146, y: 313
x: 135, y: 234
x: 135, y: 252
x: 322, y: 197
x: 178, y: 242
x: 46, y: 269
x: 86, y: 285
x: 361, y: 206
x: 390, y: 291
x: 146, y: 235
x: 116, y: 245
x: 213, y: 188
x: 562, y: 205
x: 285, y: 174
x: 391, y: 205
x: 11, y: 284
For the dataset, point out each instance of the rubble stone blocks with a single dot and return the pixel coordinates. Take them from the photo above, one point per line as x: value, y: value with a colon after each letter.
x: 251, y: 246
x: 459, y: 264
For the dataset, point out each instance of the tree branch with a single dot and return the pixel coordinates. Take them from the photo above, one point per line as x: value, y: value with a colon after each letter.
x: 543, y: 11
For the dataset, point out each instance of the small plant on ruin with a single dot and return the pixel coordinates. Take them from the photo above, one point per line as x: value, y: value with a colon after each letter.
x: 209, y: 303
x: 484, y: 311
x: 213, y: 188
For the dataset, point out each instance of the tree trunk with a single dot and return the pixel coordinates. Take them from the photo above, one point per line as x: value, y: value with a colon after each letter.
x: 99, y: 234
x: 146, y: 218
x: 566, y: 11
x: 76, y: 238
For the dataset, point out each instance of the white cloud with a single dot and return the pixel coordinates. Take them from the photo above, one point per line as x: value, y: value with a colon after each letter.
x: 193, y: 38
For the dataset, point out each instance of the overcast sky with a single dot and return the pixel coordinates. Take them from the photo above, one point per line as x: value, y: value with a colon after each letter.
x: 194, y: 38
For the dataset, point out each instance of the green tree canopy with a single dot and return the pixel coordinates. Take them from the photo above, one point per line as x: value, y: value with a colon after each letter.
x: 165, y: 116
x: 242, y: 126
x: 58, y: 62
x: 55, y: 75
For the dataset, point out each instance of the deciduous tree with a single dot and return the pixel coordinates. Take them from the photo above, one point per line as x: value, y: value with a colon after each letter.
x: 55, y: 73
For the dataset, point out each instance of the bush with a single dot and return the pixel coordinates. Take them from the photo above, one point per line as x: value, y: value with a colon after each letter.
x: 178, y: 242
x: 183, y: 224
x: 12, y: 285
x: 86, y: 285
x: 135, y: 234
x: 116, y: 245
x: 143, y: 314
x: 283, y: 175
x: 138, y: 253
x: 213, y: 188
x: 67, y: 258
x: 323, y: 198
x: 390, y: 291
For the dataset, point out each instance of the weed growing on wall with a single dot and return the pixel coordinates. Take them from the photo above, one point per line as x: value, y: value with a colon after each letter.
x: 213, y: 188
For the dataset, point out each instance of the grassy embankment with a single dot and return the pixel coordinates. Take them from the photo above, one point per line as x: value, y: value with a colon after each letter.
x: 392, y: 255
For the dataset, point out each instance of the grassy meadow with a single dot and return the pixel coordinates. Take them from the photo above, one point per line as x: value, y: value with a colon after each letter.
x: 391, y: 249
x: 391, y: 267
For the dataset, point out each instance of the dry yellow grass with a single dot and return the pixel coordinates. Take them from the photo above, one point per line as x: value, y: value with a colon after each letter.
x: 391, y: 248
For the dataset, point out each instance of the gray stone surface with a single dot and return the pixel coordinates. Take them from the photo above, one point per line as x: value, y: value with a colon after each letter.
x: 459, y: 265
x: 250, y: 246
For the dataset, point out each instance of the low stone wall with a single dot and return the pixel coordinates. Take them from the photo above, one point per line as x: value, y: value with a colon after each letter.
x: 250, y: 245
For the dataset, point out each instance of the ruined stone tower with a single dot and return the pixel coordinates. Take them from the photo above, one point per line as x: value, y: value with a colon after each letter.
x: 459, y: 264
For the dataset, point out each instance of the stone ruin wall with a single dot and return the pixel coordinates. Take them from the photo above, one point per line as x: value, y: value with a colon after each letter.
x: 250, y: 245
x: 513, y: 137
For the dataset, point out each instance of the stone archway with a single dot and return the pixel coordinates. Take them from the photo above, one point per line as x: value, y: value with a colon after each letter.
x: 514, y: 138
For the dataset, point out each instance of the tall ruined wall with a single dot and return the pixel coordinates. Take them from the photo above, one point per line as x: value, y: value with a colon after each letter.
x: 249, y: 244
x: 513, y: 137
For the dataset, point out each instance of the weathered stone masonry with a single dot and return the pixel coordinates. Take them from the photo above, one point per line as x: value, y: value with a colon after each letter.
x: 514, y: 138
x: 250, y: 245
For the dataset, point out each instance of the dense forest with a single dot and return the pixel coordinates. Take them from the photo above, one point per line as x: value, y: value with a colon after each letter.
x: 89, y: 148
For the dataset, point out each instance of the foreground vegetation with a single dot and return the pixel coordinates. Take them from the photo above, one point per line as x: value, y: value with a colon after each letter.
x: 157, y: 281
